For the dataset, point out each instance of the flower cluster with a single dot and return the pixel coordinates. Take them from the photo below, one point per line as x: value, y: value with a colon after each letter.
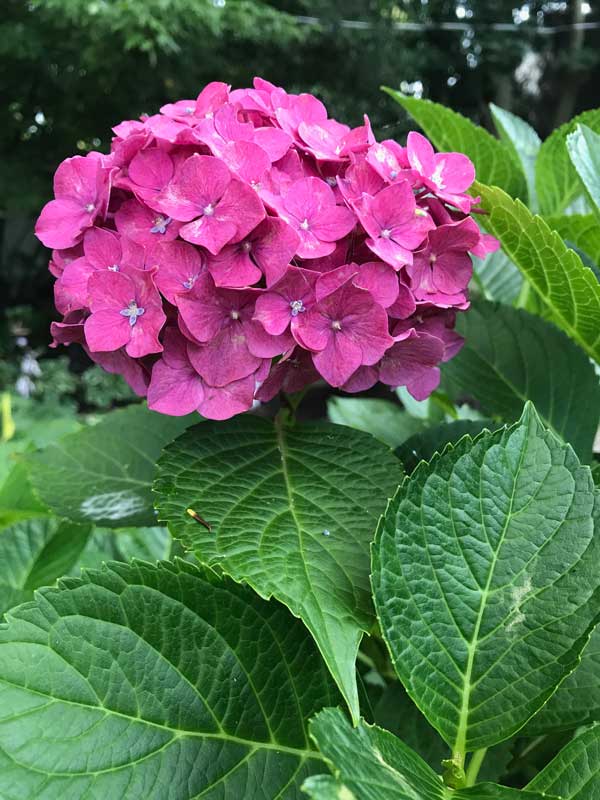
x: 244, y: 243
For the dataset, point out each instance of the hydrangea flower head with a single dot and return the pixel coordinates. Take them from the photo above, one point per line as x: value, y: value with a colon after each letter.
x: 245, y: 243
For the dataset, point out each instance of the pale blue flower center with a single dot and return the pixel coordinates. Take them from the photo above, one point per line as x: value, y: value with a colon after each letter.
x: 133, y: 311
x: 189, y: 284
x: 297, y: 307
x: 160, y: 224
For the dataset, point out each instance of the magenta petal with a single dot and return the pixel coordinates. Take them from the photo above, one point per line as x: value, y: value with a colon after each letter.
x: 425, y: 384
x: 106, y: 330
x: 273, y: 141
x: 179, y: 267
x: 273, y: 312
x: 174, y: 391
x: 263, y: 344
x: 233, y: 268
x: 110, y: 290
x: 333, y: 224
x: 102, y: 248
x: 361, y: 380
x: 70, y: 290
x: 420, y: 153
x: 408, y: 360
x: 274, y: 247
x: 151, y: 168
x: 201, y: 311
x: 242, y: 206
x: 200, y: 182
x: 247, y: 160
x: 209, y: 232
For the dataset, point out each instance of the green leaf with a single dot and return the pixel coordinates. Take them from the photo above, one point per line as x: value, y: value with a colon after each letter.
x: 495, y: 162
x: 556, y: 178
x: 34, y: 553
x: 570, y: 291
x: 498, y: 278
x: 293, y: 510
x: 510, y: 356
x: 162, y: 683
x: 523, y: 141
x: 574, y: 774
x: 17, y: 498
x: 104, y: 474
x: 383, y: 419
x: 123, y: 544
x: 422, y: 446
x: 577, y: 701
x: 472, y: 565
x: 580, y: 232
x: 584, y: 150
x: 370, y: 763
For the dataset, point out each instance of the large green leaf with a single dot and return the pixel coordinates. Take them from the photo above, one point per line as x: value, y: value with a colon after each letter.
x: 574, y: 774
x: 422, y: 446
x: 497, y: 277
x: 570, y: 291
x: 556, y: 179
x: 381, y: 418
x: 510, y: 356
x: 485, y: 575
x: 293, y: 510
x: 104, y: 474
x: 495, y: 162
x: 580, y: 231
x: 577, y: 701
x: 34, y: 553
x: 162, y: 683
x: 370, y: 763
x: 584, y: 150
x: 525, y: 143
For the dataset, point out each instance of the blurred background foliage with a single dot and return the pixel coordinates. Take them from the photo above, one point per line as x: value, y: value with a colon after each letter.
x: 74, y: 68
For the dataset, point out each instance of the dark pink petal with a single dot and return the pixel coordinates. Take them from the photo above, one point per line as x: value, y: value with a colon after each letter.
x: 426, y: 383
x: 361, y: 380
x: 174, y: 391
x: 307, y: 198
x: 410, y: 359
x: 179, y: 267
x: 286, y: 300
x: 380, y: 280
x: 338, y: 360
x: 263, y: 344
x: 453, y: 172
x: 405, y: 304
x: 452, y: 272
x: 331, y: 281
x: 70, y: 290
x: 225, y: 358
x: 68, y: 331
x: 233, y: 267
x: 333, y: 224
x: 227, y: 401
x: 247, y: 160
x: 390, y: 251
x: 360, y: 179
x: 201, y: 311
x: 110, y: 290
x: 210, y: 232
x: 151, y: 169
x: 291, y: 374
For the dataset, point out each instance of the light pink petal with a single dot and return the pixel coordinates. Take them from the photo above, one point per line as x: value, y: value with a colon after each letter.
x: 212, y: 97
x: 263, y: 344
x: 306, y: 198
x: 274, y: 247
x: 106, y: 330
x: 312, y: 247
x: 242, y: 206
x: 229, y: 126
x: 453, y: 172
x: 199, y: 183
x: 144, y: 226
x: 77, y: 178
x: 61, y: 223
x: 390, y: 252
x: 273, y: 312
x: 176, y: 392
x: 333, y: 223
x: 420, y: 153
x: 273, y: 141
x: 110, y: 290
x: 151, y: 168
x: 70, y: 290
x: 380, y: 280
x: 102, y: 248
x: 247, y: 160
x: 209, y: 232
x: 313, y: 329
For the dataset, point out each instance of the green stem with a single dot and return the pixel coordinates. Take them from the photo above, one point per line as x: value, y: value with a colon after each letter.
x: 475, y: 765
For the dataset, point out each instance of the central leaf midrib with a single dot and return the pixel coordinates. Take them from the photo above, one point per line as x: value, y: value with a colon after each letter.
x: 461, y: 735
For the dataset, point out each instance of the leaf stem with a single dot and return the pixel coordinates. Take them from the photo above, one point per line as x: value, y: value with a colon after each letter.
x: 475, y: 765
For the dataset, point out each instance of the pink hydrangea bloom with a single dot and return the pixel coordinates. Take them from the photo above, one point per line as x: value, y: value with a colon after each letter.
x: 244, y: 243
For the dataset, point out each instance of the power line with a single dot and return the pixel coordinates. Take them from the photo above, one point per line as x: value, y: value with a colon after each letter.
x: 416, y: 27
